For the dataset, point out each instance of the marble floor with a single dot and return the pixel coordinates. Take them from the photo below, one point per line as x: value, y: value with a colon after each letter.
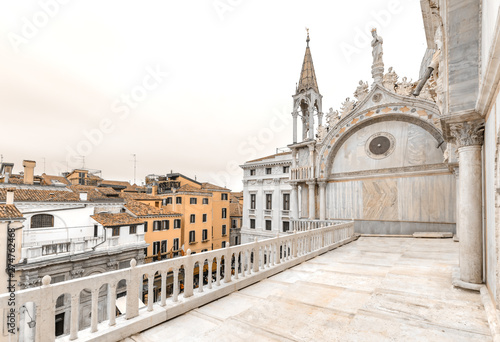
x: 373, y: 289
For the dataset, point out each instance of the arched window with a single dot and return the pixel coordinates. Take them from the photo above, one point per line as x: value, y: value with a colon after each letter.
x: 42, y: 221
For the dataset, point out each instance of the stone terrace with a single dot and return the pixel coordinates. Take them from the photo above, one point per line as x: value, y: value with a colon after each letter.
x: 373, y: 289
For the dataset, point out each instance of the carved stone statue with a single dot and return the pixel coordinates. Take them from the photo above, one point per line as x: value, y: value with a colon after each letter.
x: 321, y: 133
x: 332, y: 117
x: 390, y: 79
x: 377, y: 51
x: 361, y: 91
x: 346, y: 107
x: 404, y: 87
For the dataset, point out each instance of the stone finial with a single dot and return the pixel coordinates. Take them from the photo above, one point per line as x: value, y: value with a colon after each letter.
x: 468, y: 133
x: 322, y: 131
x: 346, y: 107
x: 46, y: 280
x: 332, y: 117
x: 377, y: 53
x: 255, y: 239
x: 405, y: 87
x: 188, y: 252
x: 133, y: 263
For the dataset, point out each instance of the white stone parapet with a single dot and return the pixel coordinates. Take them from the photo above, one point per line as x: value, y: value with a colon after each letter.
x: 252, y: 262
x: 302, y: 173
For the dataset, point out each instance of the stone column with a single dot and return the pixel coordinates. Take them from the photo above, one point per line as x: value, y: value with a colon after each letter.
x: 311, y: 122
x: 312, y: 200
x: 295, y: 115
x: 469, y: 138
x: 304, y: 127
x: 277, y: 205
x: 246, y: 204
x: 303, y: 201
x: 294, y: 202
x: 456, y: 172
x: 322, y: 200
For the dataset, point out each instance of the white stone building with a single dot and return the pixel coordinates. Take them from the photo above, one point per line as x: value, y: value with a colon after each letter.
x: 266, y: 193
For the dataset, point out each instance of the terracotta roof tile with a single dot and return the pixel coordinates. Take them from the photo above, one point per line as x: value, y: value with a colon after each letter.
x: 235, y: 209
x: 190, y: 188
x: 210, y: 186
x: 119, y: 219
x: 141, y: 209
x: 9, y: 211
x: 36, y: 195
x: 51, y: 180
x: 139, y: 196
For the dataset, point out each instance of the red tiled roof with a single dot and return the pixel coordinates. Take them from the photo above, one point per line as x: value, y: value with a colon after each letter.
x: 119, y: 219
x: 235, y: 209
x: 9, y: 211
x: 210, y: 186
x: 141, y: 209
x: 37, y: 195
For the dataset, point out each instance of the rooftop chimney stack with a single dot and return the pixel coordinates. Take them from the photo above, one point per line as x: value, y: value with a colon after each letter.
x: 29, y: 170
x: 10, y: 196
x: 6, y: 170
x: 83, y: 196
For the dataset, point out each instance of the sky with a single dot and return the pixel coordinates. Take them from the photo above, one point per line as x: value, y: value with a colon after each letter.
x: 196, y: 87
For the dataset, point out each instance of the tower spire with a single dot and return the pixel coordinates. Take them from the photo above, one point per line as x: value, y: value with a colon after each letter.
x: 307, y: 75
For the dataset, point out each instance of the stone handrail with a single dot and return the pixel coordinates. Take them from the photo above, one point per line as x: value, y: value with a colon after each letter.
x: 306, y: 224
x: 252, y: 262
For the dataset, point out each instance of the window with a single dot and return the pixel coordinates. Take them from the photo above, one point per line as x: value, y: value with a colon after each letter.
x: 286, y: 169
x: 204, y: 250
x: 95, y: 230
x: 205, y: 201
x: 165, y: 224
x: 42, y: 221
x: 268, y: 224
x: 224, y: 230
x: 252, y: 201
x: 169, y: 200
x: 192, y: 236
x: 223, y: 197
x: 286, y: 226
x: 164, y: 201
x: 252, y: 223
x: 164, y: 246
x: 157, y: 204
x: 224, y: 213
x: 286, y: 201
x: 204, y: 235
x: 234, y: 223
x: 178, y: 200
x: 268, y: 170
x: 116, y: 231
x: 204, y: 217
x: 156, y: 247
x: 223, y: 244
x: 177, y: 224
x: 145, y: 227
x: 192, y: 218
x: 252, y: 172
x: 176, y: 244
x: 156, y: 225
x: 193, y: 200
x: 132, y: 229
x: 269, y: 201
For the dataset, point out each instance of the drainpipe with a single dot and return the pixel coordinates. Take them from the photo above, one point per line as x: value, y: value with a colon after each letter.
x: 93, y: 248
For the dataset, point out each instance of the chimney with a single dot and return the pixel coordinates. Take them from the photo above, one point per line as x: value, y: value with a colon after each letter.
x: 83, y: 196
x: 29, y: 169
x: 154, y: 190
x: 10, y: 196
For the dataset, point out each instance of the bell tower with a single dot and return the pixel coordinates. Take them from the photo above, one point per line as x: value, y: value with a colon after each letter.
x: 307, y: 99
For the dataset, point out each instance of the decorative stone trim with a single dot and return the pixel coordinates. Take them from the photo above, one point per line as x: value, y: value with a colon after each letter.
x: 77, y: 273
x: 468, y: 133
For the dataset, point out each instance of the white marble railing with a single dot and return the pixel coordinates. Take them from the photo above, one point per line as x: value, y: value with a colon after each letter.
x: 252, y: 262
x: 305, y: 224
x: 302, y: 173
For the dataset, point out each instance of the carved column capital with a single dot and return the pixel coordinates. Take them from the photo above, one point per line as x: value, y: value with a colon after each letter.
x: 276, y: 181
x: 245, y: 182
x: 259, y: 181
x: 322, y: 183
x: 295, y: 114
x: 311, y: 182
x: 468, y: 133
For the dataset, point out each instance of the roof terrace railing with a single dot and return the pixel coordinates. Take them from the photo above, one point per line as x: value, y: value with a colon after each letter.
x: 249, y: 263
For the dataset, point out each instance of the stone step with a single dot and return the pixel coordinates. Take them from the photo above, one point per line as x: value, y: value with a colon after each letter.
x: 436, y: 235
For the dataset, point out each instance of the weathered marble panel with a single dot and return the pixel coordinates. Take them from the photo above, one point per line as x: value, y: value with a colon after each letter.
x: 345, y: 200
x: 412, y: 146
x: 380, y: 199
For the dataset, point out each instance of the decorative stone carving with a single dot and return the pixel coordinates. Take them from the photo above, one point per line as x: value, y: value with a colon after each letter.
x: 377, y: 53
x: 404, y: 87
x: 77, y: 273
x: 346, y: 107
x: 380, y: 145
x: 322, y: 131
x: 112, y: 263
x: 446, y: 154
x: 361, y: 91
x: 377, y: 97
x: 468, y: 133
x: 390, y: 79
x: 332, y: 117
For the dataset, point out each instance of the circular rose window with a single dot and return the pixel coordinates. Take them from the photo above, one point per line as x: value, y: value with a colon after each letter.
x: 380, y: 145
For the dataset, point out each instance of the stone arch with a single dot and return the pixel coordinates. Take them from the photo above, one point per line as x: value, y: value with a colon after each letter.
x: 328, y: 154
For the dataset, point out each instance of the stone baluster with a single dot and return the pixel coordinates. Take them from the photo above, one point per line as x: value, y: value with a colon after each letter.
x: 201, y: 266
x: 133, y: 282
x: 94, y: 310
x: 227, y: 265
x: 188, y: 275
x: 111, y: 305
x: 75, y: 306
x: 163, y: 288
x: 151, y: 295
x: 175, y: 295
x: 209, y: 277
x: 256, y: 256
x: 217, y: 275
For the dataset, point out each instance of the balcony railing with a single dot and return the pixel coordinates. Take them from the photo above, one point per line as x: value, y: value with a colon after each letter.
x: 63, y: 246
x: 251, y: 263
x: 302, y: 173
x: 305, y: 224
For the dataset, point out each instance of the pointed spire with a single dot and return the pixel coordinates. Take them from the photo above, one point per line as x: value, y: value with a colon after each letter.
x: 307, y: 75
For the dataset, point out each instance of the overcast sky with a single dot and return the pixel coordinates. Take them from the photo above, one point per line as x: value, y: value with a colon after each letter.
x: 196, y: 87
